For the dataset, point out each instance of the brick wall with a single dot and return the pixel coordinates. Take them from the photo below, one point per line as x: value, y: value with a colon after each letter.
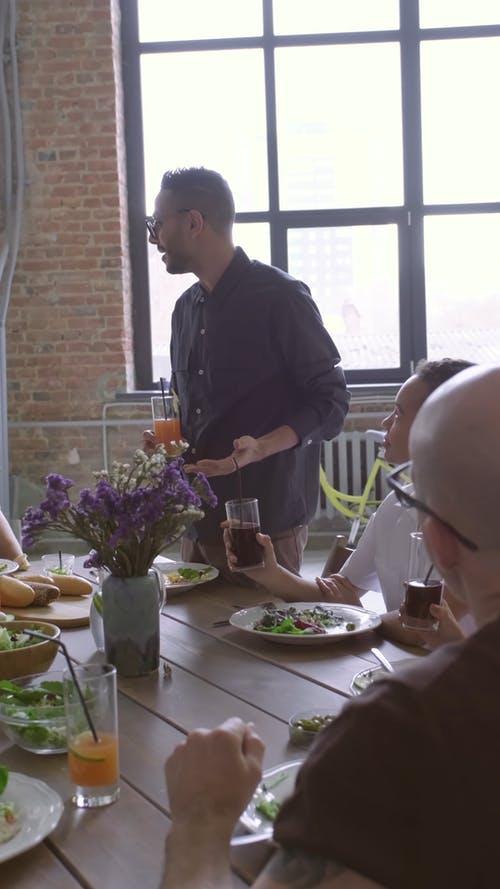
x: 68, y: 326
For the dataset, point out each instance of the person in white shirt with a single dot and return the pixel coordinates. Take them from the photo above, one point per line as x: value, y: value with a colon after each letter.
x: 380, y: 560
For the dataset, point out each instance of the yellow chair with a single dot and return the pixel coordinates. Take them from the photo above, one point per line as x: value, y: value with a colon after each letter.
x: 356, y: 507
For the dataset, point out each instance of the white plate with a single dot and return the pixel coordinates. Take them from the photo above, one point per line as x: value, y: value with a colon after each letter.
x: 365, y: 678
x: 40, y: 808
x: 365, y: 620
x: 8, y: 567
x: 280, y: 780
x: 172, y: 567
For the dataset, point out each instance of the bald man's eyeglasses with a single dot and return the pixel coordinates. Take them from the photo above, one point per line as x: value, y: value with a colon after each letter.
x: 399, y: 486
x: 154, y: 223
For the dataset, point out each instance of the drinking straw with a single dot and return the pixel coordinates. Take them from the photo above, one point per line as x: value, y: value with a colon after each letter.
x: 163, y: 393
x: 60, y: 560
x: 429, y: 572
x: 73, y: 674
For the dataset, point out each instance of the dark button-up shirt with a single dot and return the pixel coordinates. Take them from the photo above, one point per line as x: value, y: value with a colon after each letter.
x: 247, y: 357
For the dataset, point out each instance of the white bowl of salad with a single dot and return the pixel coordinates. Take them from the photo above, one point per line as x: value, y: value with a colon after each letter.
x: 32, y: 712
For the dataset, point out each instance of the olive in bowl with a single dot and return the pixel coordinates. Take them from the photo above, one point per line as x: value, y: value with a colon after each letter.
x: 304, y: 727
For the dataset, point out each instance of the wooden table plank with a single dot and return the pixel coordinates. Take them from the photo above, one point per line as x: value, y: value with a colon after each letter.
x: 37, y: 868
x: 331, y: 666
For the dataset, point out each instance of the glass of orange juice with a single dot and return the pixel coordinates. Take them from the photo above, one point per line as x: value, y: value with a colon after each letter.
x: 93, y: 764
x: 167, y: 424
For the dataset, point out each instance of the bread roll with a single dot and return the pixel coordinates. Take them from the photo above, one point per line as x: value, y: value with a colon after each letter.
x: 71, y: 585
x: 15, y: 593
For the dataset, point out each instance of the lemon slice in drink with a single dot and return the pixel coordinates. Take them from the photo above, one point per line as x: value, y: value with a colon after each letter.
x: 85, y: 739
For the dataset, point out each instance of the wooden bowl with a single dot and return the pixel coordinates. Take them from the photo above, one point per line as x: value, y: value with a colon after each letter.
x: 35, y: 658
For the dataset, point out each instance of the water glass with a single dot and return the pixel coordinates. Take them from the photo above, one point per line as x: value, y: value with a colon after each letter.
x: 424, y: 587
x: 166, y: 420
x: 93, y: 766
x: 244, y: 523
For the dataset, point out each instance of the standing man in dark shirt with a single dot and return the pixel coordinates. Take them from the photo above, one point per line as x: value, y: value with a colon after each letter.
x: 255, y: 370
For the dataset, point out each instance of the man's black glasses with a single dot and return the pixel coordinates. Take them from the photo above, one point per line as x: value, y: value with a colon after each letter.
x: 408, y: 500
x: 154, y: 223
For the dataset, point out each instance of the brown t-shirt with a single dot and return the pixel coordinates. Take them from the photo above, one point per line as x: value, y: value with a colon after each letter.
x: 404, y: 787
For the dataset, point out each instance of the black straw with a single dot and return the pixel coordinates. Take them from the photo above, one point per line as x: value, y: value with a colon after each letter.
x: 163, y: 394
x: 429, y: 572
x: 60, y: 560
x: 73, y: 674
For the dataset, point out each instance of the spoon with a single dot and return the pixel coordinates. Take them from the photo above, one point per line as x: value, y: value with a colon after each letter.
x: 382, y: 660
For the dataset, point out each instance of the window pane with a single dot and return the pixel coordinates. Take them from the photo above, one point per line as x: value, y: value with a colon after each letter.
x: 254, y: 238
x: 335, y: 16
x: 339, y: 146
x: 207, y: 109
x: 460, y: 123
x: 449, y: 13
x: 353, y: 276
x: 198, y: 19
x: 462, y: 279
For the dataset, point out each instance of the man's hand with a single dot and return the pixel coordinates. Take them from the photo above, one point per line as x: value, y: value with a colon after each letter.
x: 448, y: 629
x: 263, y: 572
x: 148, y: 442
x: 338, y: 588
x: 211, y: 778
x: 246, y: 450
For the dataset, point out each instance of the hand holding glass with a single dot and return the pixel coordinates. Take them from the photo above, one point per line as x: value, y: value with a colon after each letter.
x: 423, y: 588
x: 167, y: 424
x: 244, y: 523
x: 93, y: 767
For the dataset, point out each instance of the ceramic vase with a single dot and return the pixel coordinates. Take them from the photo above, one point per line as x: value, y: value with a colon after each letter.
x: 131, y: 622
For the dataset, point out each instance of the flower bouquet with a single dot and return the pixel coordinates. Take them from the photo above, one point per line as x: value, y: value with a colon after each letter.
x: 130, y: 516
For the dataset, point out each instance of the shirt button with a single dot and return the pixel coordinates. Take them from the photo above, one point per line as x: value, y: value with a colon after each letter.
x: 201, y: 372
x: 193, y: 450
x: 310, y: 441
x: 202, y: 331
x: 198, y: 410
x: 202, y: 299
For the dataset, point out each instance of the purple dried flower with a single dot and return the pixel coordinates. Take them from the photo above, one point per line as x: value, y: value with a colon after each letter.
x: 130, y: 516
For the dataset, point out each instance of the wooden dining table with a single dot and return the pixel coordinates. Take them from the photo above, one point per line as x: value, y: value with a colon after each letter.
x: 208, y: 672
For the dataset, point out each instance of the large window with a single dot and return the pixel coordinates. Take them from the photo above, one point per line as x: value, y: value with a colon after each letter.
x: 361, y: 141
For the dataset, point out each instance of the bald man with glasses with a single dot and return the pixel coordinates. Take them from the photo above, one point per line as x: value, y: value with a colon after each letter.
x: 402, y: 790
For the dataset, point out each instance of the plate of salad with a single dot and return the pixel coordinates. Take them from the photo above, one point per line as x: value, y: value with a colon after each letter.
x: 365, y: 678
x: 257, y: 821
x: 8, y: 567
x: 31, y: 807
x: 181, y: 576
x: 305, y: 623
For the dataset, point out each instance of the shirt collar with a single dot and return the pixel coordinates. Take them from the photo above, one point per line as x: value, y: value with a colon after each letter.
x: 236, y: 268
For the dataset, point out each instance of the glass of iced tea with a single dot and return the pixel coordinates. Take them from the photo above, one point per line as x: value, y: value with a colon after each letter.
x: 244, y: 523
x: 166, y: 420
x: 424, y: 587
x: 93, y: 764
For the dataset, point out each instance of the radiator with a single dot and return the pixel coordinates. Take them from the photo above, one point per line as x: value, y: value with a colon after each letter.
x: 347, y: 462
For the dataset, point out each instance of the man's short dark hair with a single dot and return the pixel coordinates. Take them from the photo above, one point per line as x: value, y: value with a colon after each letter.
x: 205, y: 190
x: 433, y: 373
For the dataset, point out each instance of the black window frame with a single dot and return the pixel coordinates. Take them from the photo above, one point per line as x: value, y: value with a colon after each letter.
x: 408, y: 217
